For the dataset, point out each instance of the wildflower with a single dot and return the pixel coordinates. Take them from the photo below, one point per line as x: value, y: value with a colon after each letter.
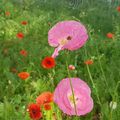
x: 34, y: 111
x: 113, y: 105
x: 118, y: 8
x: 23, y: 53
x: 24, y: 22
x: 7, y: 13
x: 89, y: 62
x: 47, y: 106
x: 20, y: 35
x: 44, y: 100
x: 71, y: 67
x: 63, y: 97
x: 23, y: 75
x: 70, y: 35
x: 110, y: 35
x: 48, y: 62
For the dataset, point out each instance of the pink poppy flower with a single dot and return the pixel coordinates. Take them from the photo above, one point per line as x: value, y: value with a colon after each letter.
x: 64, y: 99
x: 69, y: 35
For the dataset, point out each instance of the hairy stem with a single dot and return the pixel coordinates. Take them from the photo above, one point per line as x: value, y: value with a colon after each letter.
x: 71, y: 88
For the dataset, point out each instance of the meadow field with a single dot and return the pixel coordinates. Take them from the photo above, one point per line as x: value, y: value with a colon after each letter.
x: 25, y: 77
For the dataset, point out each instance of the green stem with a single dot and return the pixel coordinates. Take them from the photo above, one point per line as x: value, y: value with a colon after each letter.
x: 51, y: 78
x: 105, y: 80
x: 102, y: 71
x: 53, y: 72
x: 93, y: 85
x: 118, y: 83
x: 71, y: 88
x: 92, y: 81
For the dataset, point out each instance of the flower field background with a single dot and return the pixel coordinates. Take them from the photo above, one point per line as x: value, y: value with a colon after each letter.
x: 24, y: 27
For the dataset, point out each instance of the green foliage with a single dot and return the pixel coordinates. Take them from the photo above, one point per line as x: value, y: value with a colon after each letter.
x: 99, y: 17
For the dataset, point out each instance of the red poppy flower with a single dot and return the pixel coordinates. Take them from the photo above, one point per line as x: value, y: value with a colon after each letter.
x: 24, y: 22
x: 23, y: 75
x: 20, y: 35
x: 47, y: 106
x: 48, y: 62
x: 34, y: 111
x: 88, y: 62
x: 118, y: 8
x: 7, y: 13
x: 23, y: 53
x: 45, y: 97
x: 44, y: 100
x: 110, y: 35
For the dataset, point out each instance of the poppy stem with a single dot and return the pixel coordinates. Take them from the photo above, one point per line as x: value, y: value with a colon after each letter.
x: 71, y: 88
x: 93, y: 84
x: 103, y: 72
x: 105, y: 80
x: 52, y: 79
x: 56, y: 51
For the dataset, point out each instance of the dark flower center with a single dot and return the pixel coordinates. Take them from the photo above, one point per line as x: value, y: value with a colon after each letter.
x: 69, y: 38
x: 34, y: 111
x: 49, y: 62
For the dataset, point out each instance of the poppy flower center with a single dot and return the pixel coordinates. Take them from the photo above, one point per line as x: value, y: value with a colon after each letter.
x: 48, y: 62
x: 69, y: 38
x: 73, y: 99
x: 63, y: 42
x: 34, y: 111
x: 45, y: 101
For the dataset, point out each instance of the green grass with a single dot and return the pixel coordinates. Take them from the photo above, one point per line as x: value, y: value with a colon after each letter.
x: 103, y: 76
